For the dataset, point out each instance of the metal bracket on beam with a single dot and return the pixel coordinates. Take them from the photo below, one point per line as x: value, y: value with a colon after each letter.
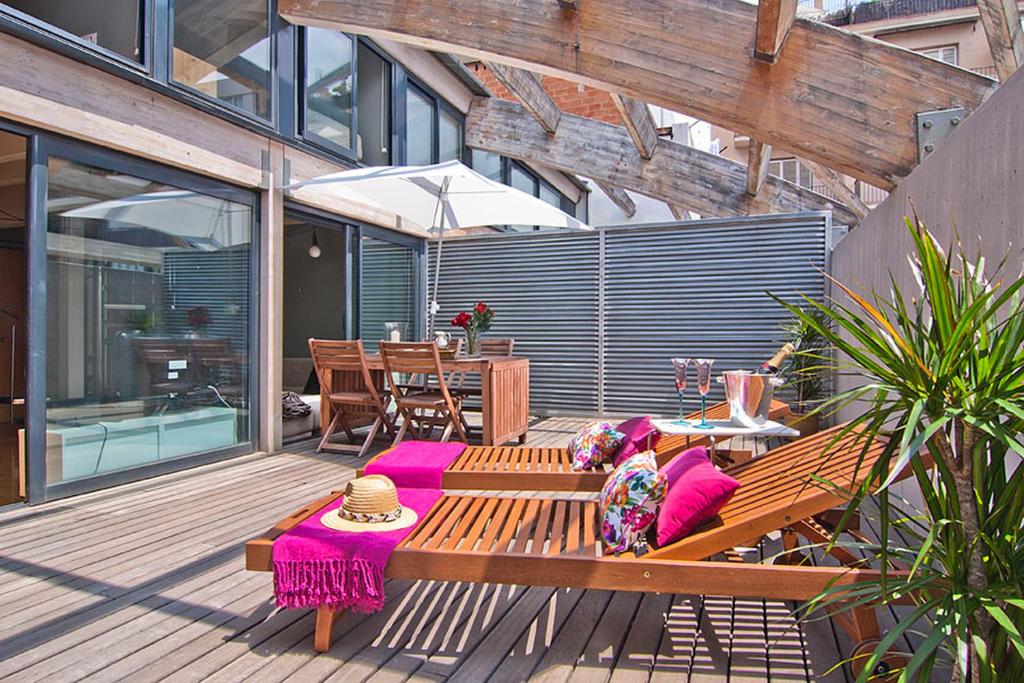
x: 934, y: 126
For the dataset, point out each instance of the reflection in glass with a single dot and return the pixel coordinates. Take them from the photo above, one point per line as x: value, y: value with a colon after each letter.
x: 419, y: 128
x: 449, y: 136
x: 222, y: 49
x: 487, y: 164
x: 550, y: 196
x: 520, y: 179
x: 112, y: 24
x: 329, y: 86
x: 148, y: 295
x: 388, y: 292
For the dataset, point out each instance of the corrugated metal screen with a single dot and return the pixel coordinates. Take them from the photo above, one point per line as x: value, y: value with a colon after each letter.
x: 600, y: 313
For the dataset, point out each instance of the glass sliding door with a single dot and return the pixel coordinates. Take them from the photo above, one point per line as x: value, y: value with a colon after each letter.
x: 149, y: 332
x: 374, y: 107
x: 388, y: 291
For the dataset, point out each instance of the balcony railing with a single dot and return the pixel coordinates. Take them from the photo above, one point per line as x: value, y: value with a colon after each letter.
x: 989, y: 71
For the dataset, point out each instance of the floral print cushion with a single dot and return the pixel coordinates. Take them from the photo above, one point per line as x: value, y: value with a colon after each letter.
x: 629, y: 502
x: 594, y: 444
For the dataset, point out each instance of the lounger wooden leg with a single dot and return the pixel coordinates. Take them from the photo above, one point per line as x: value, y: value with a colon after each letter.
x: 325, y: 618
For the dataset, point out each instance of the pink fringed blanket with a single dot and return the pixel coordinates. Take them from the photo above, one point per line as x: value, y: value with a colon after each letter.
x: 417, y: 464
x: 316, y: 566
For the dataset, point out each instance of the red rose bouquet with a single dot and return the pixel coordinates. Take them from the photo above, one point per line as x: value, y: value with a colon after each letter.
x: 475, y: 324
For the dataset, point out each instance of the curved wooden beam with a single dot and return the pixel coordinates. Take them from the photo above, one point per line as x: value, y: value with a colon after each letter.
x: 677, y: 174
x: 832, y: 96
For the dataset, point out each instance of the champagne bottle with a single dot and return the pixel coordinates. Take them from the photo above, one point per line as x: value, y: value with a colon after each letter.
x: 772, y: 365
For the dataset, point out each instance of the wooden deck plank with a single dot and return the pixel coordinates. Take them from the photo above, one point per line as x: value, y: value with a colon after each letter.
x: 145, y: 581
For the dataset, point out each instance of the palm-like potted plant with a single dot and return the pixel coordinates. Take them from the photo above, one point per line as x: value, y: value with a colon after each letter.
x: 943, y: 376
x: 807, y: 369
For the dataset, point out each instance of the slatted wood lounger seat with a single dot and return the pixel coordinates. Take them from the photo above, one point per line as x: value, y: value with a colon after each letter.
x: 526, y: 468
x: 550, y: 542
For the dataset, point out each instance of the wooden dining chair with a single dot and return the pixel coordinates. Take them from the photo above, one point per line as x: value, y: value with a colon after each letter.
x: 496, y: 347
x: 358, y: 402
x: 425, y: 405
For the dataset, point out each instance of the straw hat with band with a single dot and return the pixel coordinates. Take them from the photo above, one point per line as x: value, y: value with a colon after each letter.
x: 370, y: 504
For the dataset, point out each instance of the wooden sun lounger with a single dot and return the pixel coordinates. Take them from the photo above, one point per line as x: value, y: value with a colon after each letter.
x: 550, y: 542
x: 526, y: 468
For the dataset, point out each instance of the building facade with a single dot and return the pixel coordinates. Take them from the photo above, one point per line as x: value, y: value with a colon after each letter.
x: 158, y: 279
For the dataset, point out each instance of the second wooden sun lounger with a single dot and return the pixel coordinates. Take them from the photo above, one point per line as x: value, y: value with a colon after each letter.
x: 551, y: 542
x: 527, y: 468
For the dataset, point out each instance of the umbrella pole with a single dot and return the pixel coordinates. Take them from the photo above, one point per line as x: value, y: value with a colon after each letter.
x: 432, y: 317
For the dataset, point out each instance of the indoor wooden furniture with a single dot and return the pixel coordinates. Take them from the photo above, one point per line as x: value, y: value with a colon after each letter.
x: 424, y: 405
x: 525, y: 468
x: 505, y: 392
x: 552, y: 542
x: 349, y: 405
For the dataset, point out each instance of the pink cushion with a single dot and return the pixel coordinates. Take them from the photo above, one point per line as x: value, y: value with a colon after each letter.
x: 697, y: 494
x: 675, y: 467
x: 640, y: 436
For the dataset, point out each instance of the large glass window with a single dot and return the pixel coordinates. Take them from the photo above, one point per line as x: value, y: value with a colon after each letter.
x: 114, y: 25
x: 329, y: 81
x: 388, y: 292
x: 148, y: 324
x: 449, y: 136
x: 374, y: 110
x: 222, y: 49
x: 420, y: 127
x: 487, y: 164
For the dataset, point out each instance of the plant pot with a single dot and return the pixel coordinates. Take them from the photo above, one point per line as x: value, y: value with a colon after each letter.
x: 804, y: 423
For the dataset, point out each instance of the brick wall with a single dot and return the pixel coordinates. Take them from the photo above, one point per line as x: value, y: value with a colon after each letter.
x: 570, y: 97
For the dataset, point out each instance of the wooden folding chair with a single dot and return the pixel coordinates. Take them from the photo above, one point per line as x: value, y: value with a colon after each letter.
x: 422, y: 405
x: 359, y: 402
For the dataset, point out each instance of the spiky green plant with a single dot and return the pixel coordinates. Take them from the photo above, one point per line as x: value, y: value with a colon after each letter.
x: 807, y: 370
x: 943, y: 376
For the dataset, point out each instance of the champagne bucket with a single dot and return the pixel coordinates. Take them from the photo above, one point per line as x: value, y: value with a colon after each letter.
x: 749, y: 396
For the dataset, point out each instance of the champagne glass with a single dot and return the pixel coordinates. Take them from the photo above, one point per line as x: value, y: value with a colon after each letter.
x: 703, y: 366
x: 681, y: 365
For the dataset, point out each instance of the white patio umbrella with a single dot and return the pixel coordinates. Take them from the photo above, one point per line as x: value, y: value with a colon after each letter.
x: 442, y: 197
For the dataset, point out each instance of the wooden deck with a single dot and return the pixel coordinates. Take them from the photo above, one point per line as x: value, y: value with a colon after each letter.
x: 146, y: 581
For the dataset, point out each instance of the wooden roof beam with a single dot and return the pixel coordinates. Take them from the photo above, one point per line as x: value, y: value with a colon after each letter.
x: 774, y: 19
x: 636, y: 116
x: 832, y: 96
x: 835, y: 182
x: 677, y: 174
x: 619, y: 198
x: 759, y: 157
x: 678, y: 212
x: 1001, y: 20
x: 526, y: 88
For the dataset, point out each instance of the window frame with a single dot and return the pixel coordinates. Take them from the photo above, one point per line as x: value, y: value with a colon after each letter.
x: 275, y: 87
x: 302, y: 87
x: 21, y: 23
x: 41, y: 148
x: 939, y: 48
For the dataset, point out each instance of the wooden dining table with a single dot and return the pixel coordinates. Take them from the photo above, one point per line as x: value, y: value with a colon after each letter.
x: 504, y: 389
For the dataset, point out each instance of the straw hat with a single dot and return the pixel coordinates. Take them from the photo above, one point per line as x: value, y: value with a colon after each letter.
x: 370, y: 504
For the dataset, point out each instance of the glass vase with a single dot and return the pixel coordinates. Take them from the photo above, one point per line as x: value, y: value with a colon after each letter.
x: 472, y: 343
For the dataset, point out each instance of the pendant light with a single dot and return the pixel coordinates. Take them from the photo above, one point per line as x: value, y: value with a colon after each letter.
x: 314, y: 248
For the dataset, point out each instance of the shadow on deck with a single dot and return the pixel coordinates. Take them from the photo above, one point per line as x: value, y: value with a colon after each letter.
x: 146, y: 581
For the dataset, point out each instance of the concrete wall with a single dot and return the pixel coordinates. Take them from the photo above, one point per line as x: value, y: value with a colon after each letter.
x: 973, y: 183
